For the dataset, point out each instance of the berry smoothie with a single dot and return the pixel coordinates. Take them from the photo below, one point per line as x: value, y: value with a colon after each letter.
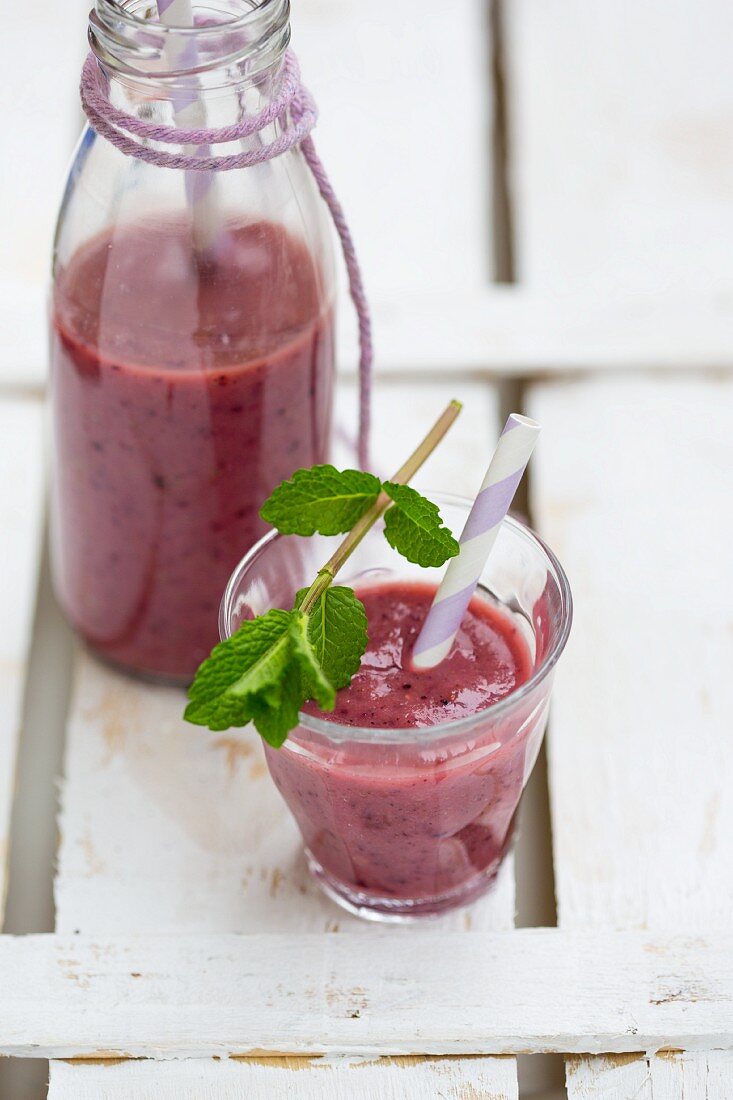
x: 184, y: 390
x: 406, y: 821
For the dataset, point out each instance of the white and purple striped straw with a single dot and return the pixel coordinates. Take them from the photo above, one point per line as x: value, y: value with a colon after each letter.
x: 511, y: 456
x: 188, y: 113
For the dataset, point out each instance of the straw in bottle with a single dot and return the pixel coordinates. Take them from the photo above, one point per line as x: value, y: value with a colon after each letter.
x: 188, y: 113
x: 510, y: 459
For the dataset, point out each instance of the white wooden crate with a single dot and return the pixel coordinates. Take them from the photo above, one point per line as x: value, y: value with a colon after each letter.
x: 188, y: 933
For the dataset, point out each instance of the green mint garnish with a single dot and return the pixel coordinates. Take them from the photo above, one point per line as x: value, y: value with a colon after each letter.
x: 337, y: 629
x: 414, y: 528
x: 275, y: 663
x: 250, y: 666
x: 321, y: 499
x: 315, y: 684
x: 331, y: 501
x: 262, y: 674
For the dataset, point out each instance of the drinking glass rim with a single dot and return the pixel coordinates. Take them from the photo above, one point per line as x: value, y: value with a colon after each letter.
x: 336, y: 731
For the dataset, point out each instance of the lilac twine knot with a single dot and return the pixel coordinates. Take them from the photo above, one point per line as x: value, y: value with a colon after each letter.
x: 294, y: 108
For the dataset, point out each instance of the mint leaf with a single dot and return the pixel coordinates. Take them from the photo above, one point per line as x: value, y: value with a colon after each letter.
x: 414, y: 528
x: 314, y: 682
x: 337, y: 629
x: 244, y: 677
x: 321, y: 499
x: 303, y: 679
x: 275, y: 723
x: 262, y: 674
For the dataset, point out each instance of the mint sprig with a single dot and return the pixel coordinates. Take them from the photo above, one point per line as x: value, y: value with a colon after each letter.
x: 276, y: 662
x: 331, y: 501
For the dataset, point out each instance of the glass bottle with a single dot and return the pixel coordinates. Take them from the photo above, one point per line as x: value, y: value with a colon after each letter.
x: 192, y: 345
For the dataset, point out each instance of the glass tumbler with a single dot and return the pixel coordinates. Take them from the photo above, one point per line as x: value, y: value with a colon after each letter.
x: 405, y: 823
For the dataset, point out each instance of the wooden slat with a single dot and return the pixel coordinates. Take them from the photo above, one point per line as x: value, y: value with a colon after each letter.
x: 513, y: 331
x: 673, y: 1076
x: 393, y: 992
x: 621, y: 144
x: 632, y: 488
x: 36, y: 150
x: 165, y: 828
x: 23, y: 323
x: 392, y: 82
x: 501, y: 332
x: 313, y: 1079
x: 421, y: 222
x: 402, y: 413
x: 21, y: 499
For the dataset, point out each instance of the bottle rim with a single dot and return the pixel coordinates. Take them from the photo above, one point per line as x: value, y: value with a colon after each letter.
x: 253, y: 33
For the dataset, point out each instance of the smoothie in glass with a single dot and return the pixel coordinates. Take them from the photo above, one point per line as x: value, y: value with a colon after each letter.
x: 184, y: 390
x: 407, y: 824
x: 406, y: 794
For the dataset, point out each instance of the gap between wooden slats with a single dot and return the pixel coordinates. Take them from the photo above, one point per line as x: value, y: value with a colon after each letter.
x: 631, y: 487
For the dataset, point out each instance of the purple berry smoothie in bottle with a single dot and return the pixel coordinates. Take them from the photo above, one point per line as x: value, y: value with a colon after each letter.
x: 186, y: 381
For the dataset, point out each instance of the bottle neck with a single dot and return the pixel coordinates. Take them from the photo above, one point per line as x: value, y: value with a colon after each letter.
x: 229, y: 61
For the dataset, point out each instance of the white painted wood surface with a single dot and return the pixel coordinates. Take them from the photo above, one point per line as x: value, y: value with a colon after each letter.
x: 506, y: 332
x: 632, y: 489
x: 621, y: 144
x: 515, y: 332
x: 21, y: 500
x: 43, y: 46
x: 402, y: 991
x: 393, y: 81
x: 23, y: 324
x: 315, y: 1079
x: 672, y: 1076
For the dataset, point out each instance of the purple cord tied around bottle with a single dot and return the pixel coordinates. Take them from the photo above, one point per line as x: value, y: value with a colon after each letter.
x: 294, y: 107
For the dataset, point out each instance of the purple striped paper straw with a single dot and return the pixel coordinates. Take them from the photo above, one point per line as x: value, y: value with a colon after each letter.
x: 188, y: 112
x: 509, y: 462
